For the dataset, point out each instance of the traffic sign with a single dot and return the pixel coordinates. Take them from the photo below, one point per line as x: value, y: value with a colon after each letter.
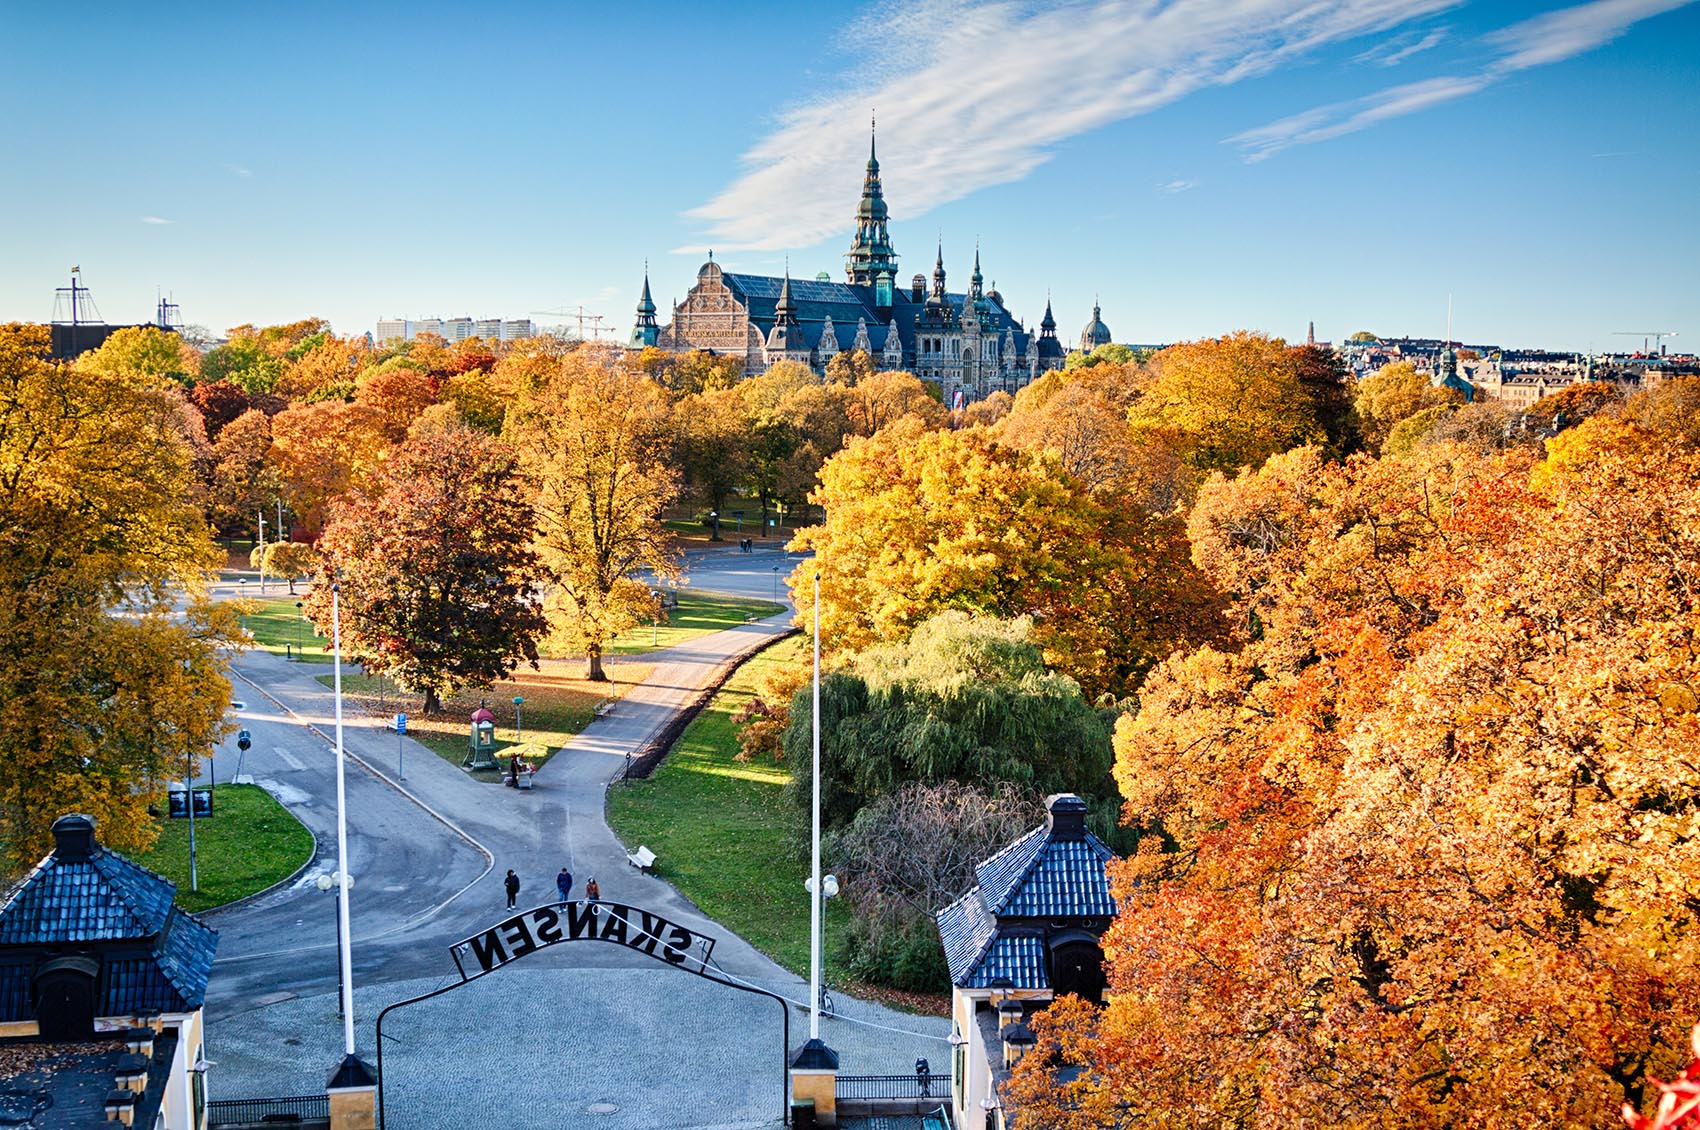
x: 401, y: 723
x: 244, y: 740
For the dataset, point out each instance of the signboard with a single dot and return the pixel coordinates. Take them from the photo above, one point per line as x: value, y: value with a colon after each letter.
x: 544, y: 926
x: 401, y: 723
x: 178, y: 804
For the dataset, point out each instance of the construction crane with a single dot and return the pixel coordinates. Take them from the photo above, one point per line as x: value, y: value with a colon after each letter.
x: 595, y: 320
x: 1650, y: 339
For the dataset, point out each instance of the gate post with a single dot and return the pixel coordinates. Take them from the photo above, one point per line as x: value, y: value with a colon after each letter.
x: 352, y: 1090
x: 814, y: 1076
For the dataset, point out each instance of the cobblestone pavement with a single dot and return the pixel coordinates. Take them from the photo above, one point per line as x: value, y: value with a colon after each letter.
x: 537, y: 1043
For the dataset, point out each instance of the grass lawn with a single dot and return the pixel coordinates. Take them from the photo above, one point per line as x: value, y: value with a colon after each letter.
x: 277, y: 627
x: 723, y: 832
x: 247, y: 844
x: 558, y: 704
x: 698, y: 614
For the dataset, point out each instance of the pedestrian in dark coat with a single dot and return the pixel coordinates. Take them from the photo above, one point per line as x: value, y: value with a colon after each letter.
x: 564, y: 884
x: 592, y: 891
x: 512, y: 884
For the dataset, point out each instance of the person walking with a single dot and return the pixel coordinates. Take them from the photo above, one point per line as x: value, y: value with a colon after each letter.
x: 512, y: 884
x: 564, y: 884
x: 592, y: 891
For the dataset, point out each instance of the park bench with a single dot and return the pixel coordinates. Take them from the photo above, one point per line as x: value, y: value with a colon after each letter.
x: 643, y: 859
x: 604, y: 708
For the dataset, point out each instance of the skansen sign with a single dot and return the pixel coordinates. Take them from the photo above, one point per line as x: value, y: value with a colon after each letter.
x: 544, y: 926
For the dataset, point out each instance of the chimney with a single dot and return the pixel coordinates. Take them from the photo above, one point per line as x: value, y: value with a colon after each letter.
x: 1009, y: 1013
x: 1067, y: 816
x: 1017, y: 1039
x: 73, y: 838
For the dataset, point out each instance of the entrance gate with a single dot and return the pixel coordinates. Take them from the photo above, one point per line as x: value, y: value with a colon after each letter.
x: 593, y: 921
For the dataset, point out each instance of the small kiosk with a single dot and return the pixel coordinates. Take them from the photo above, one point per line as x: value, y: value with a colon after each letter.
x: 481, y: 741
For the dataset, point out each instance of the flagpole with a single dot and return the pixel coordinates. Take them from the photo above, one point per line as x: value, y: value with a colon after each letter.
x: 814, y: 848
x: 347, y: 977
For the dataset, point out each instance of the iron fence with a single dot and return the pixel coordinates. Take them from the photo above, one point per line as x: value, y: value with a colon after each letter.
x: 244, y: 1112
x: 916, y: 1086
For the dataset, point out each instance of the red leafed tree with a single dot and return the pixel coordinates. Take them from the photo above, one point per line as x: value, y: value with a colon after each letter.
x: 438, y: 580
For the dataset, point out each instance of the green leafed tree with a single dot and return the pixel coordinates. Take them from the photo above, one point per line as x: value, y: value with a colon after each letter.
x: 964, y: 698
x: 438, y: 581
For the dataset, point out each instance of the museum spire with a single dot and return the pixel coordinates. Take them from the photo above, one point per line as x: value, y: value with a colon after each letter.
x: 871, y: 253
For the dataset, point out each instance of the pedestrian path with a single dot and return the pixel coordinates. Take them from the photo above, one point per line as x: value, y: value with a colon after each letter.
x: 559, y: 822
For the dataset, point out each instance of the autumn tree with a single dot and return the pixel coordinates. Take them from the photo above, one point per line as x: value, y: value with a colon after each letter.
x: 433, y: 556
x: 594, y: 440
x: 321, y: 451
x: 397, y: 395
x: 111, y: 683
x: 220, y: 402
x: 287, y: 560
x: 146, y: 354
x: 1424, y: 854
x: 711, y: 430
x: 1228, y: 402
x: 243, y: 479
x: 886, y: 397
x: 918, y: 521
x: 1395, y: 393
x: 849, y: 367
x: 245, y: 363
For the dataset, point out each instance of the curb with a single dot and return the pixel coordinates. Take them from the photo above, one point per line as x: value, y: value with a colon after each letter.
x: 652, y: 752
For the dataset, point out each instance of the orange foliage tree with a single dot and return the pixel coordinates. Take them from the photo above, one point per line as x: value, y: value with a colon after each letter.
x: 1421, y: 845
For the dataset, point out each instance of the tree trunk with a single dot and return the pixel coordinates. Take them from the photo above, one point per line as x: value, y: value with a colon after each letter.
x: 433, y: 702
x: 593, y: 670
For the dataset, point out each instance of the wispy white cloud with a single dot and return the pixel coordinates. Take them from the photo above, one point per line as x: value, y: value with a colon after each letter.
x: 1548, y: 38
x: 239, y: 171
x: 1179, y: 184
x: 973, y: 95
x: 1396, y: 52
x: 156, y: 220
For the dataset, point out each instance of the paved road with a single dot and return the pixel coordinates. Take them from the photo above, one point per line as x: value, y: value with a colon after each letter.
x: 416, y: 847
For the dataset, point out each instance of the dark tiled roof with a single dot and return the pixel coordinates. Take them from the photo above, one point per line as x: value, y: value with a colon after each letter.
x: 104, y: 898
x: 1019, y: 957
x: 845, y: 302
x: 98, y: 903
x: 965, y: 928
x: 1038, y: 877
x: 174, y: 979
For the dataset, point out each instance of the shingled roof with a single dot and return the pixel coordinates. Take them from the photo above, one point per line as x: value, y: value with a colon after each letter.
x: 1056, y: 871
x: 85, y: 899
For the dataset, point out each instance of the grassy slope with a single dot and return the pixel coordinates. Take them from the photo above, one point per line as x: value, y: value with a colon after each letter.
x: 723, y: 832
x: 249, y: 843
x: 698, y: 614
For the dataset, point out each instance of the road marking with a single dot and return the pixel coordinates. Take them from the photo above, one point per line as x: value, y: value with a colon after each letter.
x: 289, y: 759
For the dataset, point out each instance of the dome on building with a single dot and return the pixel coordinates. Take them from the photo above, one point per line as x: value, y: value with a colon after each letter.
x: 1096, y: 332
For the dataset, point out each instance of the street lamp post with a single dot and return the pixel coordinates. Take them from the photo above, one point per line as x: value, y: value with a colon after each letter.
x: 518, y: 733
x: 300, y: 642
x: 325, y: 882
x: 714, y: 519
x: 776, y: 584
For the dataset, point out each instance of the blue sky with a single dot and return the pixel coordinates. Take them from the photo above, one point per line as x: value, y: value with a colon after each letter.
x: 1202, y: 167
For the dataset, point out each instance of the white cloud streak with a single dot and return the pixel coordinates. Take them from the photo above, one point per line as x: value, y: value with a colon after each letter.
x: 156, y: 220
x: 1389, y: 55
x: 974, y: 95
x: 1548, y: 38
x: 1179, y: 184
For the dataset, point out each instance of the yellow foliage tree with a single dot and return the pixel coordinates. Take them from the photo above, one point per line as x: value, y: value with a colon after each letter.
x: 106, y: 692
x: 595, y: 441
